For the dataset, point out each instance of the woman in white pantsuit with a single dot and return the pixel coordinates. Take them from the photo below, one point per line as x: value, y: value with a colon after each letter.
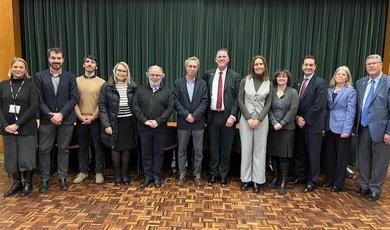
x: 254, y: 102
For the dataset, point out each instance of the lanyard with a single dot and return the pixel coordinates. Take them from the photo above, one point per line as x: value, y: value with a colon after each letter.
x: 14, y: 97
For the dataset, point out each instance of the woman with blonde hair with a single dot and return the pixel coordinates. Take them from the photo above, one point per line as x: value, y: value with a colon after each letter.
x: 19, y: 103
x: 118, y: 122
x: 341, y: 111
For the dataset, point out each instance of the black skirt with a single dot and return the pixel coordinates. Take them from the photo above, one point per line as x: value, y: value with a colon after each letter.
x: 280, y: 143
x: 126, y: 136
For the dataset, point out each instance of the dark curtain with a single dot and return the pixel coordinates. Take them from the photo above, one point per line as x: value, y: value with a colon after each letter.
x: 166, y: 32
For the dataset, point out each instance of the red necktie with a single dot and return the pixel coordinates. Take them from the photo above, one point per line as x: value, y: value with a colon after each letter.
x: 303, y: 88
x: 219, y: 93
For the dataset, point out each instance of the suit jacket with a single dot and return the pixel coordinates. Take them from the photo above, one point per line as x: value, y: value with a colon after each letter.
x: 197, y: 107
x: 379, y: 108
x: 312, y: 104
x: 230, y: 92
x: 341, y: 111
x: 62, y: 102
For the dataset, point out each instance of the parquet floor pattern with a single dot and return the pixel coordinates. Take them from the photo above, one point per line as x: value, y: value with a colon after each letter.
x: 91, y: 206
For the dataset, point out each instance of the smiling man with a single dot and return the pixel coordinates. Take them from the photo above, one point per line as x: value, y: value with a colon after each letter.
x: 58, y: 96
x: 88, y: 124
x: 222, y: 85
x: 373, y: 122
x: 310, y: 120
x: 152, y: 105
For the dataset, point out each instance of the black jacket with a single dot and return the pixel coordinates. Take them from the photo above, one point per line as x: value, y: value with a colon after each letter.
x: 109, y: 107
x: 152, y: 106
x: 28, y: 100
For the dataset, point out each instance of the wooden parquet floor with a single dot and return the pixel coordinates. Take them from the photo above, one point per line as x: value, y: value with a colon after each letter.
x: 91, y: 206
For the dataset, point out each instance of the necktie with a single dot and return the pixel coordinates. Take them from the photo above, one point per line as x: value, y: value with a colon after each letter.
x: 303, y: 88
x: 219, y: 93
x: 364, y: 120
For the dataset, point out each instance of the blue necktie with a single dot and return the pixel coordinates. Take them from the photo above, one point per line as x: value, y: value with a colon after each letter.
x: 364, y: 120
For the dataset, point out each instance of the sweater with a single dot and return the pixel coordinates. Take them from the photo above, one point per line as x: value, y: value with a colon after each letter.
x: 89, y: 90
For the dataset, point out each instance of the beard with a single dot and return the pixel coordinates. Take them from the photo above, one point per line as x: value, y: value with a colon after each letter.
x: 56, y: 65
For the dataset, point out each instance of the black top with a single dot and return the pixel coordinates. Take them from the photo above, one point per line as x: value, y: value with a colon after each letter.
x: 28, y: 100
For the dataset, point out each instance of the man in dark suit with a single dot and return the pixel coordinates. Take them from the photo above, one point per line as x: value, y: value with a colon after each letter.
x: 58, y: 96
x: 191, y: 101
x: 222, y: 84
x: 310, y: 120
x: 373, y: 123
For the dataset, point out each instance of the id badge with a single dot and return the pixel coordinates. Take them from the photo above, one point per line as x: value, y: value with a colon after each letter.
x: 14, y: 109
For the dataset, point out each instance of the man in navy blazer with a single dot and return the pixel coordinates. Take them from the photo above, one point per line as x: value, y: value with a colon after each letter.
x: 191, y: 101
x: 373, y: 128
x: 222, y: 115
x: 58, y: 96
x: 310, y: 121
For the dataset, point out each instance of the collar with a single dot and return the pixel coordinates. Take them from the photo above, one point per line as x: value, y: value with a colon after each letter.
x: 376, y: 79
x: 308, y: 77
x: 55, y: 75
x: 93, y: 76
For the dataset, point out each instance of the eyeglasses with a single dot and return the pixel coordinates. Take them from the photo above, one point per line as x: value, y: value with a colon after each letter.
x: 372, y: 63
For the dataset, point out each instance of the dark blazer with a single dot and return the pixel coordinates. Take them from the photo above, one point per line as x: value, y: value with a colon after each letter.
x: 152, y: 106
x: 62, y: 102
x: 312, y: 105
x: 197, y: 107
x: 379, y: 109
x: 230, y: 92
x: 341, y: 111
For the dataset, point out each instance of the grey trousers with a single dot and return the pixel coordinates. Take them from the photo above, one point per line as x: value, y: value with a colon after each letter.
x: 253, y: 151
x: 48, y: 133
x: 373, y: 161
x: 19, y: 153
x: 183, y: 137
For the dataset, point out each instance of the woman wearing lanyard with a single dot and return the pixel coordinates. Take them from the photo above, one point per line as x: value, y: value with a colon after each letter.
x: 18, y: 107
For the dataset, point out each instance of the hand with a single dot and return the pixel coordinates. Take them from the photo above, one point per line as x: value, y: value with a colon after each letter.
x: 13, y: 129
x: 151, y: 123
x: 190, y: 119
x: 344, y: 135
x: 253, y: 123
x: 87, y: 119
x: 386, y: 139
x: 278, y: 126
x: 56, y: 118
x: 229, y: 122
x: 108, y: 130
x: 300, y: 121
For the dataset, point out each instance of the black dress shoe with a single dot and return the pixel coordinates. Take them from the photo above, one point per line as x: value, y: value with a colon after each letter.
x: 117, y: 181
x: 212, y: 180
x: 256, y: 187
x: 146, y: 183
x: 157, y: 183
x: 309, y: 188
x: 297, y: 181
x: 43, y: 186
x: 244, y: 186
x: 327, y: 184
x: 63, y: 184
x: 373, y: 196
x: 126, y: 181
x: 336, y: 189
x: 224, y: 182
x: 15, y: 188
x: 363, y: 192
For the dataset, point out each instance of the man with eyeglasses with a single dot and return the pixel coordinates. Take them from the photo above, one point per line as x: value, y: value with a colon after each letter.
x: 152, y: 105
x: 373, y: 128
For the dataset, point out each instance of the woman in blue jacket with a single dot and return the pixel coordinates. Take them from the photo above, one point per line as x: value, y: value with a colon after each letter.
x: 341, y: 110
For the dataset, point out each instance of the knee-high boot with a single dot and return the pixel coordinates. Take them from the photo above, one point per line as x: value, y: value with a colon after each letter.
x: 16, y: 185
x: 284, y: 165
x: 273, y: 182
x: 27, y: 183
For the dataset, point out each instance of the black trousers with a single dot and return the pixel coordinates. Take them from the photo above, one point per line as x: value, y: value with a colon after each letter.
x: 307, y: 156
x: 220, y: 144
x: 337, y: 152
x: 152, y: 146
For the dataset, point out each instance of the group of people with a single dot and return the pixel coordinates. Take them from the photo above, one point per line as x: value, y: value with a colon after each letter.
x: 274, y: 118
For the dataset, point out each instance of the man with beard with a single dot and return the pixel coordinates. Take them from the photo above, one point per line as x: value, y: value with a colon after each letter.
x: 58, y: 96
x: 222, y: 85
x: 152, y: 105
x: 88, y: 124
